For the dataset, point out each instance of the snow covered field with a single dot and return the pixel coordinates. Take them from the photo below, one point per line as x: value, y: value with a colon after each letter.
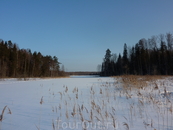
x: 85, y: 102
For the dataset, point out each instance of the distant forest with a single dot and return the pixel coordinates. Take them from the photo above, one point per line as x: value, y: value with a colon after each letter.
x: 153, y: 56
x: 15, y: 62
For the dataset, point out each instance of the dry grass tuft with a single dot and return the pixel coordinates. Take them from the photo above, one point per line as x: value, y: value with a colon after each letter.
x: 67, y: 114
x: 101, y: 103
x: 60, y: 94
x: 53, y: 125
x: 66, y: 90
x: 9, y: 111
x: 2, y: 114
x: 126, y: 125
x: 37, y: 127
x: 41, y: 101
x: 140, y: 82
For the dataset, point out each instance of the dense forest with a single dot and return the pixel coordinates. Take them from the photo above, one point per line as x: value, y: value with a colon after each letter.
x: 153, y: 56
x: 15, y: 62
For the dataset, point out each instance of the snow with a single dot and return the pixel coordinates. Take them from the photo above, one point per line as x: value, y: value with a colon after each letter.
x: 89, y: 102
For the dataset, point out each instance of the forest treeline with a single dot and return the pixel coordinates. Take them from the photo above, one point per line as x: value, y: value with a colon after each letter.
x: 15, y: 62
x: 153, y: 56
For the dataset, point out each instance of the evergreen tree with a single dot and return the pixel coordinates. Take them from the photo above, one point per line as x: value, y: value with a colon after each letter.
x: 15, y: 62
x: 106, y: 66
x: 119, y: 65
x: 125, y: 60
x: 145, y: 58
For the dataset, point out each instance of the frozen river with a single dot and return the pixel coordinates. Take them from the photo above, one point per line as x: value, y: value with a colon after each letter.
x: 83, y: 102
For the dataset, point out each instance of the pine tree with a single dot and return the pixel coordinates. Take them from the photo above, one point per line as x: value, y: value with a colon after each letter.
x: 125, y: 60
x: 106, y: 66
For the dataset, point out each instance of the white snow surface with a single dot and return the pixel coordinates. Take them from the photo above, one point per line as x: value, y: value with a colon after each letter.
x: 84, y: 102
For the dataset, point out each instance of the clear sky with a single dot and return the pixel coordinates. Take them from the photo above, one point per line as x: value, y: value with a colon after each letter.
x: 78, y: 32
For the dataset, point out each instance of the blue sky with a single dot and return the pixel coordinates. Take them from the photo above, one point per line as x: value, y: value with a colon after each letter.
x: 78, y: 32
